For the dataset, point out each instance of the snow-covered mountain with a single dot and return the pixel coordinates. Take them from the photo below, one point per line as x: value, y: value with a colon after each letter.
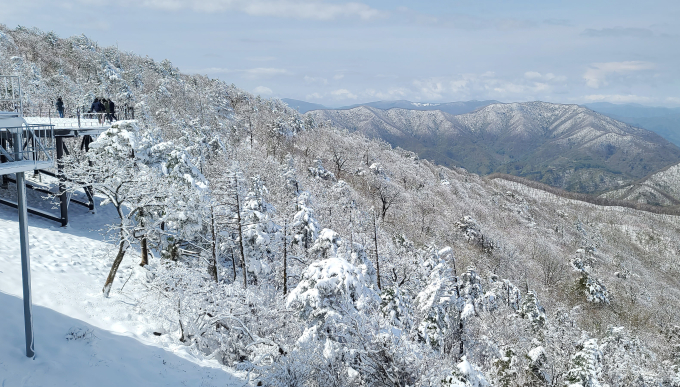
x: 567, y: 146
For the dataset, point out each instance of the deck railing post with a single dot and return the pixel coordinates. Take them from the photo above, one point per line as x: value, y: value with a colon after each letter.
x: 63, y: 198
x: 4, y: 182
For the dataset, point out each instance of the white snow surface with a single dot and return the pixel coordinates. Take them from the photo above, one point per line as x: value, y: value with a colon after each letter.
x: 64, y: 122
x: 111, y: 342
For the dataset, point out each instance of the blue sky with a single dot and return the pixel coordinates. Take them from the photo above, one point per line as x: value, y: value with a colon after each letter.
x: 345, y: 52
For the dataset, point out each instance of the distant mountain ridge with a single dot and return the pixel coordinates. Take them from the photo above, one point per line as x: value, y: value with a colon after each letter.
x: 664, y: 121
x: 567, y: 146
x: 303, y: 106
x: 454, y: 108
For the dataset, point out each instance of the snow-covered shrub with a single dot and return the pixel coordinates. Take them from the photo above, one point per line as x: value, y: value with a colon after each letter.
x: 586, y: 365
x: 473, y: 234
x: 537, y: 365
x: 501, y: 292
x: 506, y: 368
x: 223, y: 321
x: 320, y: 172
x: 326, y: 245
x: 331, y: 286
x: 259, y: 232
x: 593, y: 289
x: 437, y: 307
x: 532, y: 310
x: 305, y: 226
x: 464, y: 375
x: 396, y: 307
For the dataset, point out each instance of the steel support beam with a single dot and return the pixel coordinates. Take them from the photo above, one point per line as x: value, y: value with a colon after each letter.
x: 25, y: 256
x: 25, y: 265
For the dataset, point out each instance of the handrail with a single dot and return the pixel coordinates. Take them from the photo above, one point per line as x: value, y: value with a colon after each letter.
x: 10, y: 93
x: 30, y: 143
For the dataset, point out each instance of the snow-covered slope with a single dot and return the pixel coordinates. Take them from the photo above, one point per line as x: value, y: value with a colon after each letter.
x: 82, y: 338
x: 661, y: 188
x: 562, y: 145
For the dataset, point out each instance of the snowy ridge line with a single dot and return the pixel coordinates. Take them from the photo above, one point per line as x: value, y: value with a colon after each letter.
x: 587, y: 198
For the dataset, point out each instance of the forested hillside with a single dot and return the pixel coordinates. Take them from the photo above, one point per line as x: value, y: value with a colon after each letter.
x: 311, y: 256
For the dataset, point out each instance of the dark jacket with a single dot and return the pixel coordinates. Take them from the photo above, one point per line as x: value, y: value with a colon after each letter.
x: 107, y: 107
x: 100, y: 107
x: 112, y: 106
x: 60, y: 105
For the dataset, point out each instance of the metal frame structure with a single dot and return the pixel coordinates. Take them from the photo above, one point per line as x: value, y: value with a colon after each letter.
x: 23, y: 148
x: 30, y: 150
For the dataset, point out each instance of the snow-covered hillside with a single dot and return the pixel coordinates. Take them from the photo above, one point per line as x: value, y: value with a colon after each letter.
x: 82, y: 338
x: 300, y: 254
x: 661, y: 188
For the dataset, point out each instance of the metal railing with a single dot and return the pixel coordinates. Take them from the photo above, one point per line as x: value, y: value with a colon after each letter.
x: 10, y: 94
x: 28, y: 145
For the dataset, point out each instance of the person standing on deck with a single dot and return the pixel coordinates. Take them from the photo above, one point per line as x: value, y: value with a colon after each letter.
x: 112, y: 115
x: 101, y: 109
x: 60, y: 107
x: 93, y: 108
x: 107, y: 110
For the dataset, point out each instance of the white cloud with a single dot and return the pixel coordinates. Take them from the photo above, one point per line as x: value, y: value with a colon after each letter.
x: 390, y: 94
x: 263, y: 72
x: 597, y: 74
x: 314, y: 96
x: 618, y: 32
x: 255, y: 73
x: 338, y: 77
x: 531, y: 85
x: 673, y: 100
x: 431, y: 89
x: 548, y: 77
x: 298, y: 9
x: 319, y: 80
x: 261, y: 58
x: 532, y: 75
x: 620, y: 98
x: 263, y: 90
x: 343, y: 94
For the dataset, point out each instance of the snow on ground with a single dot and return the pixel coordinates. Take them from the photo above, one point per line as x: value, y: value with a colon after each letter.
x: 68, y: 268
x: 63, y: 122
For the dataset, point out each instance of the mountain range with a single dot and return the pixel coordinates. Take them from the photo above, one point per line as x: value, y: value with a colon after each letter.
x: 567, y: 146
x: 454, y: 108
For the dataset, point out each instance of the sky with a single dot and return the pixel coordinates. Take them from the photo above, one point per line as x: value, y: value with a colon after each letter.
x: 339, y: 53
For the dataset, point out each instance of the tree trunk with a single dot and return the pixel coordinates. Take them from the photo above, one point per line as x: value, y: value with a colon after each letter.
x: 377, y: 258
x: 145, y: 249
x: 145, y: 253
x: 240, y: 236
x: 212, y: 270
x: 122, y: 247
x: 233, y: 262
x: 285, y: 257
